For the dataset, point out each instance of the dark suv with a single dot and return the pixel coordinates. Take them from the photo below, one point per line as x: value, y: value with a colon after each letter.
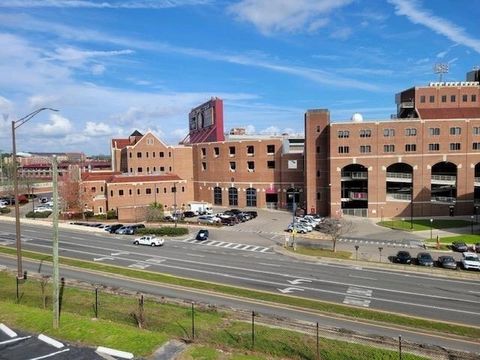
x: 424, y: 259
x: 459, y: 246
x: 403, y: 257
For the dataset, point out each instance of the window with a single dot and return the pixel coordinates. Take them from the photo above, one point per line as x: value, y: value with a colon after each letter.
x: 410, y: 132
x: 365, y: 133
x: 434, y: 131
x: 120, y: 192
x: 270, y: 164
x: 231, y: 150
x: 473, y: 98
x: 422, y: 98
x: 216, y: 151
x: 139, y: 154
x: 343, y: 149
x: 173, y: 189
x: 453, y: 98
x: 146, y: 154
x: 169, y: 154
x: 410, y: 147
x: 148, y: 169
x: 129, y: 191
x: 101, y: 188
x: 388, y: 132
x: 157, y: 190
x: 432, y: 98
x: 318, y: 149
x: 149, y: 141
x: 319, y: 196
x: 232, y: 196
x: 111, y: 193
x: 204, y: 152
x: 94, y: 189
x: 154, y: 168
x: 162, y: 168
x: 476, y: 146
x: 343, y: 134
x: 476, y: 130
x: 139, y: 169
x: 444, y: 98
x: 183, y: 188
x: 318, y: 173
x: 464, y: 98
x: 161, y: 154
x: 270, y: 149
x: 148, y: 191
x: 250, y: 150
x: 251, y: 166
x: 389, y: 148
x: 130, y: 155
x: 365, y: 149
x: 251, y: 196
x: 131, y: 170
x: 153, y: 153
x: 433, y: 147
x: 170, y: 168
x: 138, y: 191
x: 454, y: 146
x: 204, y: 166
x: 455, y: 131
x: 233, y: 166
x: 217, y: 195
x: 318, y: 128
x: 164, y: 190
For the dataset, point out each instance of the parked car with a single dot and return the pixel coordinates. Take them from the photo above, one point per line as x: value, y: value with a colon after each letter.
x: 253, y: 214
x: 424, y: 259
x: 477, y: 247
x: 112, y: 228
x: 42, y: 209
x: 150, y: 240
x: 447, y: 262
x: 189, y: 214
x: 229, y: 221
x: 202, y: 235
x: 129, y: 229
x: 207, y: 219
x: 299, y: 228
x: 470, y: 260
x: 459, y: 246
x: 403, y: 257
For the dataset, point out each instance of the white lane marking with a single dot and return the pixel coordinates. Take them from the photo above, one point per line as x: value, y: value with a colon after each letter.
x: 288, y: 290
x: 76, y: 238
x: 267, y: 264
x: 245, y: 247
x: 474, y: 292
x: 359, y: 291
x: 50, y: 341
x: 237, y: 246
x: 156, y: 261
x: 220, y: 243
x: 298, y: 281
x: 120, y: 253
x: 101, y: 258
x: 139, y: 266
x: 264, y: 250
x: 229, y: 244
x: 362, y: 277
x: 197, y: 255
x: 355, y: 301
x: 254, y: 249
x: 50, y: 355
x: 211, y: 242
x: 8, y: 331
x: 14, y: 340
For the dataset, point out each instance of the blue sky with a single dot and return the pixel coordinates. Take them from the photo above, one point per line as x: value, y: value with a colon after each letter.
x: 111, y: 67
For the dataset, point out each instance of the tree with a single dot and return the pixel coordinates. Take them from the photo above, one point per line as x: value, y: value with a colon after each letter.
x: 335, y: 229
x: 155, y: 212
x: 73, y: 195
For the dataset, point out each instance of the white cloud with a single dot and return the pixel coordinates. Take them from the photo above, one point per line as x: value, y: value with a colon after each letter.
x: 98, y: 69
x: 100, y: 129
x: 417, y: 15
x: 130, y: 4
x: 250, y: 129
x: 57, y: 126
x: 285, y: 15
x: 341, y: 34
x: 74, y: 55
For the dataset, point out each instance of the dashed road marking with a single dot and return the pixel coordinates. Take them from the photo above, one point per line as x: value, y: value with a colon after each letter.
x: 229, y: 245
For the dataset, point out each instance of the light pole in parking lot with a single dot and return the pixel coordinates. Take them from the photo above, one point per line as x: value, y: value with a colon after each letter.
x: 294, y: 210
x: 431, y: 229
x: 15, y: 125
x: 175, y: 203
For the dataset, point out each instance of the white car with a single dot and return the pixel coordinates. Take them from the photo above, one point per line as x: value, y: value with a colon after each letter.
x: 299, y: 228
x: 150, y: 240
x: 470, y: 260
x: 42, y: 209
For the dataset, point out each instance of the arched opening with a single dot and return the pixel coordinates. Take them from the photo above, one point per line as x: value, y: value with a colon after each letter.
x: 354, y: 190
x: 444, y: 183
x: 399, y: 186
x: 217, y: 195
x: 232, y: 196
x: 251, y: 195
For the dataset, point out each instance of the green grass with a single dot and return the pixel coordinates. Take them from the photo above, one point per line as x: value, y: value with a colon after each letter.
x: 311, y: 251
x: 218, y: 335
x: 423, y: 224
x: 304, y: 303
x: 467, y: 238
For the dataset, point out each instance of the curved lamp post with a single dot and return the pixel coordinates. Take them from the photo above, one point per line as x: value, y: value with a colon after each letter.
x: 15, y: 125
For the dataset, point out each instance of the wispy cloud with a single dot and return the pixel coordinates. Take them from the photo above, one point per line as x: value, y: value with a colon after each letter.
x: 413, y: 11
x: 131, y: 4
x: 270, y: 16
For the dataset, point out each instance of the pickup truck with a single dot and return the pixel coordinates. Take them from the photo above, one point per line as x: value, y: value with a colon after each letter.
x: 150, y: 240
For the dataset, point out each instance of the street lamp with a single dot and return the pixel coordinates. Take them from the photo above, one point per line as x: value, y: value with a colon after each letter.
x: 476, y: 214
x: 294, y: 210
x: 15, y: 125
x: 411, y: 207
x: 175, y: 203
x: 380, y: 252
x: 356, y: 252
x: 431, y: 227
x: 471, y: 224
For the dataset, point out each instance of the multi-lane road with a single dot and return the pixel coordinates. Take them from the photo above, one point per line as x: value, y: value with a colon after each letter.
x: 259, y: 267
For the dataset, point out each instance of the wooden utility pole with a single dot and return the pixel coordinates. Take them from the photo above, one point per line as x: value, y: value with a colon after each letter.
x: 56, y: 279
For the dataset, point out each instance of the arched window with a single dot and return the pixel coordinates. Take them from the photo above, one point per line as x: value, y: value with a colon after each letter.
x: 232, y: 196
x: 251, y: 197
x: 217, y: 195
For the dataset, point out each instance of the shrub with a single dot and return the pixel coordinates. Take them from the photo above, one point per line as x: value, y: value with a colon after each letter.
x: 100, y: 216
x: 111, y: 214
x: 89, y: 214
x: 162, y: 231
x: 38, y: 215
x: 5, y: 210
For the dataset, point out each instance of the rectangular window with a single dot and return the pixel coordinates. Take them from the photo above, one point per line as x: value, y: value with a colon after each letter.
x: 318, y: 196
x: 454, y: 146
x: 365, y: 149
x: 433, y: 147
x: 162, y: 168
x: 111, y: 193
x: 476, y: 146
x: 271, y: 164
x: 139, y: 154
x: 455, y: 131
x: 388, y: 132
x: 216, y: 151
x: 464, y: 98
x: 444, y: 98
x: 432, y: 98
x: 343, y: 134
x: 139, y: 169
x: 473, y: 98
x: 365, y: 133
x: 270, y: 149
x: 204, y: 166
x: 422, y: 98
x: 162, y: 154
x: 250, y: 150
x: 138, y: 191
x: 453, y: 98
x: 410, y: 147
x: 146, y: 154
x: 343, y: 149
x: 389, y: 148
x: 318, y: 149
x: 149, y: 141
x: 233, y: 166
x: 251, y: 166
x: 231, y: 150
x: 204, y: 152
x: 120, y: 192
x: 148, y: 191
x: 476, y: 130
x: 434, y: 131
x: 410, y: 132
x: 94, y: 189
x: 130, y: 155
x: 153, y: 154
x: 129, y: 191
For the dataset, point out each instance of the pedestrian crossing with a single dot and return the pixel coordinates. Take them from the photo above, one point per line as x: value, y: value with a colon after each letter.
x: 229, y: 245
x: 358, y: 296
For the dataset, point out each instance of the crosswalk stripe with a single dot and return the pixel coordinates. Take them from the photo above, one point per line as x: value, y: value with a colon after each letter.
x: 355, y: 301
x: 237, y: 246
x: 220, y: 243
x: 245, y: 247
x: 229, y: 244
x: 255, y: 248
x: 265, y: 249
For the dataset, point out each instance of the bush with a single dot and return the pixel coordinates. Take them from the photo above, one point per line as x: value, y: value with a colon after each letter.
x: 89, y: 214
x: 38, y: 215
x: 111, y: 214
x: 100, y: 216
x: 162, y: 231
x: 5, y: 210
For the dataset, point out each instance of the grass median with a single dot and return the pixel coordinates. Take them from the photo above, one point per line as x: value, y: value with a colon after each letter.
x: 423, y: 224
x: 298, y: 302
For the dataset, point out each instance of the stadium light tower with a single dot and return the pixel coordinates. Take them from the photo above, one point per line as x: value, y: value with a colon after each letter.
x: 440, y: 68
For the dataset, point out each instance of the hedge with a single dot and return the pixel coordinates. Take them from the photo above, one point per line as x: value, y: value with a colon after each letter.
x: 38, y: 215
x: 162, y: 231
x: 5, y: 210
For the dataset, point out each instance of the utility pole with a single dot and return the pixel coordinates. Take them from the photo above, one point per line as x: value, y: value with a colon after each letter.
x: 56, y: 279
x: 175, y: 203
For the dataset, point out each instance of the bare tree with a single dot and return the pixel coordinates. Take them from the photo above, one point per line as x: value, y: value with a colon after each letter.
x: 73, y: 195
x: 335, y: 229
x: 155, y: 212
